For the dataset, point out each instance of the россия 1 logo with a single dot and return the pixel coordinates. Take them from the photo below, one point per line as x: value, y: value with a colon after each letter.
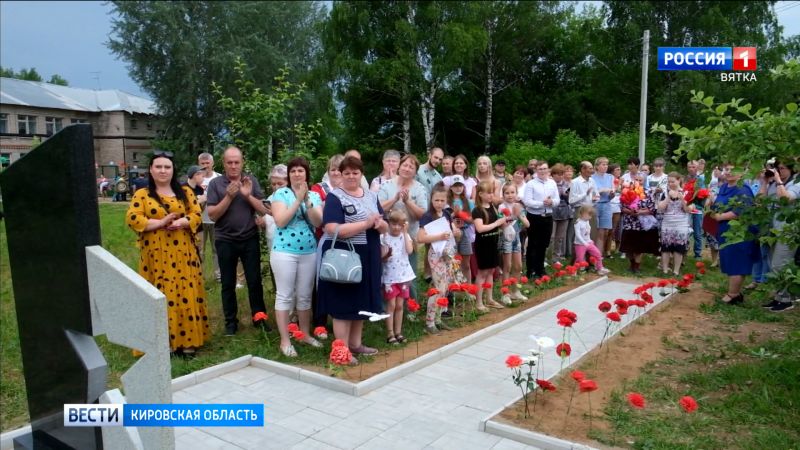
x: 739, y: 62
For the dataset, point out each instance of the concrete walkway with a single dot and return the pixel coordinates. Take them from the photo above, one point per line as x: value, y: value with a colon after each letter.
x: 439, y: 406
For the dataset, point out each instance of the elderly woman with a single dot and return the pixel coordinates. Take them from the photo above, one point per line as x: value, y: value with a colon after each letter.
x: 165, y: 217
x: 735, y: 260
x: 410, y: 196
x: 782, y: 253
x: 353, y: 213
x: 391, y: 161
x: 639, y: 236
x: 297, y: 213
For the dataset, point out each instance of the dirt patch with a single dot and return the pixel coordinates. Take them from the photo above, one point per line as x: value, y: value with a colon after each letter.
x: 389, y: 359
x: 665, y: 332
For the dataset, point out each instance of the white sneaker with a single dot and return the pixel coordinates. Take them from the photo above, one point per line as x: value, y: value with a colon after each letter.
x: 517, y: 295
x: 603, y: 271
x: 505, y: 299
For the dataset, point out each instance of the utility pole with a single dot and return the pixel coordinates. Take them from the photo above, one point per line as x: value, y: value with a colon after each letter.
x: 643, y: 101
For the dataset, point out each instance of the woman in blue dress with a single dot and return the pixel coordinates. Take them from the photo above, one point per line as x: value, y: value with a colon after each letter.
x: 357, y: 214
x: 736, y: 260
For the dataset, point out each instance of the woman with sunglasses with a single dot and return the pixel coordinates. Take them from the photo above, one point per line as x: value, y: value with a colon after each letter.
x: 165, y: 216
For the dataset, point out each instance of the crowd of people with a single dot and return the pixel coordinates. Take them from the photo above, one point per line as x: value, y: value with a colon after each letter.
x: 413, y: 221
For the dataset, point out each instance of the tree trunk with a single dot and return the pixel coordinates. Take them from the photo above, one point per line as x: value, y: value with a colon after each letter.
x: 406, y: 127
x: 428, y: 109
x: 487, y: 133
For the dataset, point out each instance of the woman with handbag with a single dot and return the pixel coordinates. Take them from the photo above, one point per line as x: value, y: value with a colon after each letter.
x: 354, y: 214
x: 297, y: 212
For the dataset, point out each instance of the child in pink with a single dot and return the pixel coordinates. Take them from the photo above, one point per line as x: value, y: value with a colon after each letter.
x: 583, y: 240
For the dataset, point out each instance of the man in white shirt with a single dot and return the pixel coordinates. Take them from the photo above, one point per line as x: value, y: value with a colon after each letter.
x: 540, y: 198
x: 582, y: 190
x: 206, y: 161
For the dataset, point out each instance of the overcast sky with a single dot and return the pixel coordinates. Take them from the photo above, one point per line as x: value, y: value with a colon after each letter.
x: 68, y: 38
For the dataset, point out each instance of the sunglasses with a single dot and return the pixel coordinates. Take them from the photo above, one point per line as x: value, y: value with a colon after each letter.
x: 163, y: 153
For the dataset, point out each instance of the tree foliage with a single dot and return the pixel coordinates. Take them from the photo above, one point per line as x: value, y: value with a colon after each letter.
x: 175, y: 50
x: 31, y: 75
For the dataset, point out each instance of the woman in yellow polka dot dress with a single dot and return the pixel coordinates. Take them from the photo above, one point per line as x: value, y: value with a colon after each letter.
x: 166, y: 217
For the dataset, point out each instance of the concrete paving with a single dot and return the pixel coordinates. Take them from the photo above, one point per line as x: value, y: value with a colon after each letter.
x: 439, y: 406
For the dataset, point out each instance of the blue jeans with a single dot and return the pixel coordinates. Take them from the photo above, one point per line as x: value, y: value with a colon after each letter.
x: 761, y: 267
x: 697, y: 230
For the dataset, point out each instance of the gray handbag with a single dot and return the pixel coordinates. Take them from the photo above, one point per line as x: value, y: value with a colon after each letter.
x: 340, y: 266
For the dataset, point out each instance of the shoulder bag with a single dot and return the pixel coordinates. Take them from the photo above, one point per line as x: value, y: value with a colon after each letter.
x: 340, y: 266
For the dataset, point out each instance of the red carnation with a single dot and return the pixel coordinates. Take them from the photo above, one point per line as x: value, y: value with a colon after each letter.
x: 299, y: 335
x: 638, y: 290
x: 432, y: 291
x: 604, y: 307
x: 524, y: 279
x: 487, y: 285
x: 413, y: 306
x: 261, y: 315
x: 688, y: 277
x: 702, y: 271
x: 587, y: 386
x: 545, y: 278
x: 458, y: 257
x: 463, y: 215
x: 513, y: 280
x: 546, y: 385
x: 538, y: 282
x: 620, y: 303
x: 340, y: 354
x: 513, y: 361
x: 592, y: 260
x: 292, y: 327
x: 577, y: 375
x: 504, y: 290
x: 473, y: 289
x: 563, y: 350
x: 565, y: 321
x: 622, y: 311
x: 506, y: 212
x: 442, y: 302
x: 688, y: 404
x: 337, y: 343
x: 321, y: 332
x: 613, y: 316
x: 699, y: 264
x: 561, y: 273
x: 454, y: 287
x: 636, y: 400
x: 465, y: 287
x: 663, y: 283
x: 507, y: 282
x: 557, y: 266
x: 702, y: 194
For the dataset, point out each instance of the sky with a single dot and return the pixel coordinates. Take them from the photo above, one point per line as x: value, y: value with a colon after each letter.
x: 68, y: 38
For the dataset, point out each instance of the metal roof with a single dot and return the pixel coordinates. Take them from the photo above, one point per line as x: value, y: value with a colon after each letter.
x: 46, y: 95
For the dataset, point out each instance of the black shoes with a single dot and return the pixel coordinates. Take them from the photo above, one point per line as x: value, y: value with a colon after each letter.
x: 770, y: 304
x: 230, y: 330
x: 782, y: 306
x: 738, y: 300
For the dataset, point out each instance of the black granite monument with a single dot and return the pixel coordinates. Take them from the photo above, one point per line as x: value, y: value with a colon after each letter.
x: 51, y: 214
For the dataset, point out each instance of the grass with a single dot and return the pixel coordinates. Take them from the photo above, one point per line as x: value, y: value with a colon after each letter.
x: 121, y: 241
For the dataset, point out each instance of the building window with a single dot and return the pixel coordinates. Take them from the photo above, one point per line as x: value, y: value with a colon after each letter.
x: 74, y: 121
x: 135, y: 157
x: 4, y: 123
x: 52, y: 125
x: 5, y: 159
x: 26, y: 125
x: 134, y: 124
x: 149, y: 125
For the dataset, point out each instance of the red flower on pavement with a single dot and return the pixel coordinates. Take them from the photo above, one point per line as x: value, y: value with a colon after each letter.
x: 587, y: 386
x: 259, y: 316
x: 523, y: 279
x: 565, y: 321
x: 413, y: 306
x: 546, y: 385
x: 688, y: 404
x: 513, y: 361
x: 432, y: 291
x: 647, y: 297
x: 504, y: 290
x: 442, y: 302
x: 292, y: 327
x: 662, y: 283
x: 604, y: 307
x: 622, y: 311
x: 557, y: 266
x: 620, y: 303
x: 577, y: 375
x: 638, y: 290
x: 613, y: 316
x: 563, y: 350
x: 487, y: 285
x: 636, y: 400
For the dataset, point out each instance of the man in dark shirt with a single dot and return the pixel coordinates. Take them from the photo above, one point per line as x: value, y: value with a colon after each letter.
x: 140, y: 182
x: 233, y: 200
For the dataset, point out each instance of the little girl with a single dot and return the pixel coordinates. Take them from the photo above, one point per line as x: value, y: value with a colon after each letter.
x: 510, y: 245
x: 444, y: 268
x: 583, y: 241
x: 397, y: 273
x: 487, y: 227
x: 674, y: 225
x: 462, y: 217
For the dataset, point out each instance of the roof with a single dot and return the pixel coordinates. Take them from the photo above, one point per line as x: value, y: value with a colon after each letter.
x: 46, y: 95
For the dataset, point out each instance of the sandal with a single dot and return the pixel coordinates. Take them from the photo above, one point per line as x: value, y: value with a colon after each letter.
x: 443, y: 326
x: 392, y: 340
x: 495, y: 305
x: 400, y: 338
x: 363, y: 350
x: 312, y: 342
x: 482, y: 309
x: 289, y: 351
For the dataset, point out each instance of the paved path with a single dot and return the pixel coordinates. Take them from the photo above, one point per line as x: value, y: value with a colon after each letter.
x: 439, y: 406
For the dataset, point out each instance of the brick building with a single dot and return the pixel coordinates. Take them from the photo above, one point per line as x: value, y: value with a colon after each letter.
x: 123, y: 124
